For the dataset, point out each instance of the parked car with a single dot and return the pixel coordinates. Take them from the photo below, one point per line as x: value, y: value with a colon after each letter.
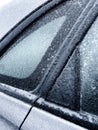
x: 49, y: 65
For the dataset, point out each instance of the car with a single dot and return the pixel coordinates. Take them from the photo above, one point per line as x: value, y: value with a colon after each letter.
x: 49, y: 65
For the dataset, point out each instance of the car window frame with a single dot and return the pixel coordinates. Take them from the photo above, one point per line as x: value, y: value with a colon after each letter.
x: 44, y: 62
x: 71, y: 39
x: 24, y: 31
x: 80, y: 117
x: 51, y: 76
x: 14, y: 33
x: 23, y: 95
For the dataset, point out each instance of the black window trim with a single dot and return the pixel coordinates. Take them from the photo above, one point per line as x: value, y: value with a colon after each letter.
x: 82, y: 118
x: 73, y: 38
x: 17, y: 93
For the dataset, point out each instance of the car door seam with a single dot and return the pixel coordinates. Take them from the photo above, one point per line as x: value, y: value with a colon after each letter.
x: 32, y: 105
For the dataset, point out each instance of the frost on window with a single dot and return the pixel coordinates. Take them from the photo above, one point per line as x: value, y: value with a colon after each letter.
x: 22, y: 59
x: 89, y: 70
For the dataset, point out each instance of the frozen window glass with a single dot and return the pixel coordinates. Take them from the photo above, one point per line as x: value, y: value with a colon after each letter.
x: 89, y: 70
x: 79, y: 78
x: 21, y: 59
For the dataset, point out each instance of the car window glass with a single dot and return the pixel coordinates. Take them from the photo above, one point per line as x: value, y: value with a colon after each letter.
x: 22, y: 59
x: 89, y: 70
x: 77, y: 86
x: 32, y: 52
x: 25, y: 62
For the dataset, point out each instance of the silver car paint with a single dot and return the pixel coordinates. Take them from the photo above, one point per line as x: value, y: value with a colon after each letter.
x: 41, y: 120
x: 12, y: 110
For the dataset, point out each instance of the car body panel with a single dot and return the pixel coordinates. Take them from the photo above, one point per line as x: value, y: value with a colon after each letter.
x: 6, y: 125
x: 12, y: 110
x: 40, y: 120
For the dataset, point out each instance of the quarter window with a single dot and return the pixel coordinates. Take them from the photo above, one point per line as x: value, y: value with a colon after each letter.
x: 22, y: 58
x: 25, y: 62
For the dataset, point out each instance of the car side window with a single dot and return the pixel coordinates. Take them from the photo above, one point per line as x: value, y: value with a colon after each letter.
x: 22, y: 58
x: 77, y: 86
x: 30, y: 54
x: 89, y: 70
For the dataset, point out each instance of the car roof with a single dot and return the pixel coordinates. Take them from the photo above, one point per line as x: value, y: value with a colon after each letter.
x: 13, y: 12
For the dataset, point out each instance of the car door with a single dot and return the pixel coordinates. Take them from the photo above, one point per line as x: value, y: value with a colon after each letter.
x: 30, y: 60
